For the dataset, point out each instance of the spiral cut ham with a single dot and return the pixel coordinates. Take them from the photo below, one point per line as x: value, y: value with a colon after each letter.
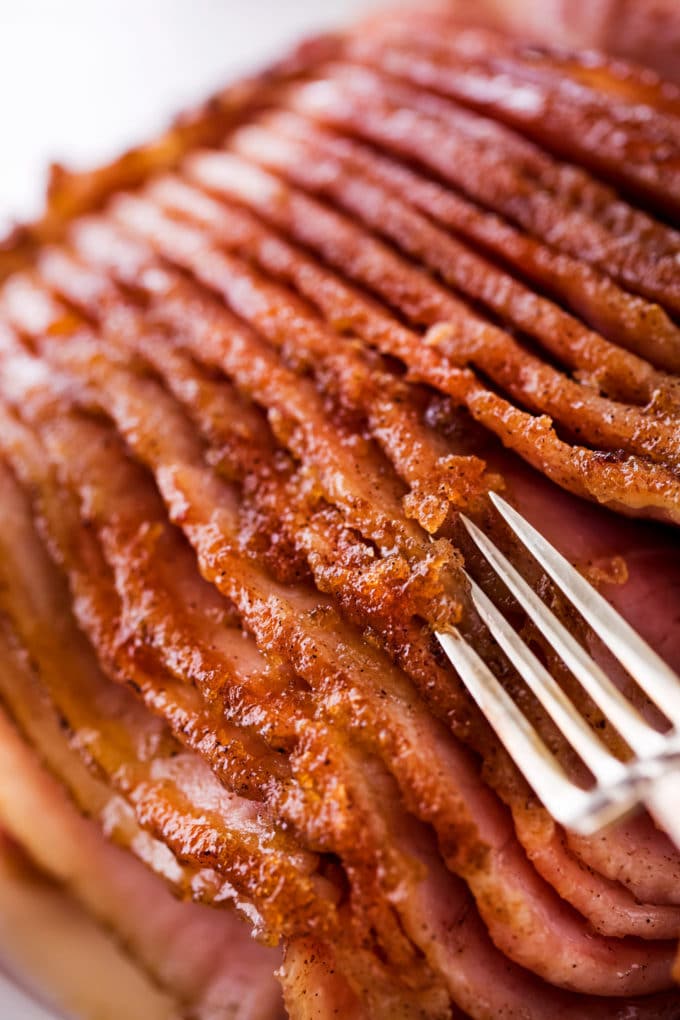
x: 250, y: 375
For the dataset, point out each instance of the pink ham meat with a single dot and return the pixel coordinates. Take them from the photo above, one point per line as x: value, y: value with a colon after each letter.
x: 652, y: 580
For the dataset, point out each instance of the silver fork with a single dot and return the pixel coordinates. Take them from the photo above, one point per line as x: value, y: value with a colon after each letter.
x: 652, y: 775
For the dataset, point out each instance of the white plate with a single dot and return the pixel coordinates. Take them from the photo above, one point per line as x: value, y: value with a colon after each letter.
x: 16, y: 1004
x: 87, y: 79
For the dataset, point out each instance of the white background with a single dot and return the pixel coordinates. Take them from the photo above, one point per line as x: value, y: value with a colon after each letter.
x: 82, y: 79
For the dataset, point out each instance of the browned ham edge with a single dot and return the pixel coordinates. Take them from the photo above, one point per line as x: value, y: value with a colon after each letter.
x: 625, y: 319
x: 375, y: 266
x: 86, y: 725
x: 195, y: 958
x: 227, y: 831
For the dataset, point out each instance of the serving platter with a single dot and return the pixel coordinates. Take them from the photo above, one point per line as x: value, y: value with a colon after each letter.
x: 56, y: 960
x: 17, y: 1004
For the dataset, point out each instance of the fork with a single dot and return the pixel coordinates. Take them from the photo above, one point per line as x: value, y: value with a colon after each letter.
x: 652, y: 775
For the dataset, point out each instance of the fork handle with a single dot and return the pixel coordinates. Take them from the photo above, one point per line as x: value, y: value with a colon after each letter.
x: 662, y: 800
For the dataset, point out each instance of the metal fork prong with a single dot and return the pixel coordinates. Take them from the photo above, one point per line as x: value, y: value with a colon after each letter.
x: 540, y: 767
x: 640, y: 737
x: 653, y: 675
x: 604, y: 766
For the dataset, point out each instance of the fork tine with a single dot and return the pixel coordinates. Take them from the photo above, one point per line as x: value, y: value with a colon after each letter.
x: 653, y: 675
x: 603, y: 765
x: 641, y: 738
x: 521, y: 739
x: 566, y: 802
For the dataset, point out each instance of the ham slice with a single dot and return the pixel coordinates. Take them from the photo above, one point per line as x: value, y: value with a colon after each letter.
x: 395, y: 281
x: 173, y: 794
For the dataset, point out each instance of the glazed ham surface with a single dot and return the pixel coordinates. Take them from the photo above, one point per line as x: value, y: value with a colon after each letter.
x: 249, y: 377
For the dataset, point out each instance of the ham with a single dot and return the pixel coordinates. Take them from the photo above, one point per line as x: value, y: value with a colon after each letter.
x: 249, y: 378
